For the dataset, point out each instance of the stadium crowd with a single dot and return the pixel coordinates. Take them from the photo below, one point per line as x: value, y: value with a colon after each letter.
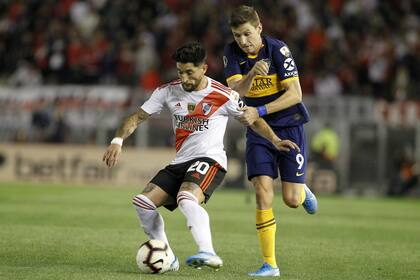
x: 357, y: 47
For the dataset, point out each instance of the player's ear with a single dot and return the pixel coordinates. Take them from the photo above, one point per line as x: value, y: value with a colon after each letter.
x: 259, y: 28
x: 205, y: 67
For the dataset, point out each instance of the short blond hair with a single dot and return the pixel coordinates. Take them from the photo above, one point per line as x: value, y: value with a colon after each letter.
x: 244, y: 14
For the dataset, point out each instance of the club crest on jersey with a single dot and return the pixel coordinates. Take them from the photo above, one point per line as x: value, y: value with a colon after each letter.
x: 285, y: 51
x: 191, y: 107
x: 207, y: 108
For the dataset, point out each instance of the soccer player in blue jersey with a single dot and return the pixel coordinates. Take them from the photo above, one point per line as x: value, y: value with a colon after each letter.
x: 263, y: 71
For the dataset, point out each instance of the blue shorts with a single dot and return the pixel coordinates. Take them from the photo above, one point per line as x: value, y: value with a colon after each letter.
x: 262, y: 158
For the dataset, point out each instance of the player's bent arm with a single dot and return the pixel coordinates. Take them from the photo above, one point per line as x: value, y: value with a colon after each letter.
x: 243, y: 85
x: 261, y: 127
x: 292, y: 96
x: 130, y: 123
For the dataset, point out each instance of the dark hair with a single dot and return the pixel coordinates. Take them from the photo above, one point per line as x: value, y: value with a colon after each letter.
x: 190, y: 53
x: 243, y: 14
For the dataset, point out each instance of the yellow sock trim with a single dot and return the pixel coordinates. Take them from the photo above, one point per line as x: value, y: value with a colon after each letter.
x: 303, y: 195
x: 266, y: 229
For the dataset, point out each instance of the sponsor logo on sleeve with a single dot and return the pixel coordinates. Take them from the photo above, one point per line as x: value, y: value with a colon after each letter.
x: 289, y: 64
x: 285, y: 51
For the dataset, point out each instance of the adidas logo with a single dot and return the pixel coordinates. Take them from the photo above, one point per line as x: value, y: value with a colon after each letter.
x: 196, y: 175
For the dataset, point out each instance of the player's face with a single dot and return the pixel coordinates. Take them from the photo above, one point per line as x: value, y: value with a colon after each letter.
x: 248, y: 37
x: 192, y: 77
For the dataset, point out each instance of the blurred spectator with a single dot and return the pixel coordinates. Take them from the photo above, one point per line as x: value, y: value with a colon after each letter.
x: 407, y: 179
x: 26, y: 74
x: 41, y: 121
x: 365, y: 47
x: 60, y: 129
x: 327, y: 85
x: 325, y: 146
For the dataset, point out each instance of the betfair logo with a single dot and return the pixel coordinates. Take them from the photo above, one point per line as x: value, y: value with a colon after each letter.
x: 299, y: 174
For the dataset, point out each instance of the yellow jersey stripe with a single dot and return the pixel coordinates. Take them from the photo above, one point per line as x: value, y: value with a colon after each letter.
x: 289, y: 79
x: 237, y: 76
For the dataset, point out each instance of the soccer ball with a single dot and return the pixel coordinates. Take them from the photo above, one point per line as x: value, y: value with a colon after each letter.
x: 153, y: 257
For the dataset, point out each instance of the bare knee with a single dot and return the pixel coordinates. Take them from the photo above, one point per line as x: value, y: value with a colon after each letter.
x: 292, y: 201
x: 264, y: 192
x: 292, y: 194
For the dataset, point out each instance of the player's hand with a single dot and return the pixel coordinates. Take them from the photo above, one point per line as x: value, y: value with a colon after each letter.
x: 249, y: 116
x: 111, y: 155
x: 285, y: 145
x: 260, y: 68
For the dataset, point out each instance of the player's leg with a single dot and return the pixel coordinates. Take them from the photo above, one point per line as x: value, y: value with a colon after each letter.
x: 262, y: 169
x: 146, y: 205
x: 292, y: 166
x: 201, y: 179
x: 265, y: 225
x: 160, y: 191
x: 296, y: 194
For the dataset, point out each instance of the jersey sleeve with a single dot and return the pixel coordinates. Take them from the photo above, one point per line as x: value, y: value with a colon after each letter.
x: 156, y: 101
x: 284, y: 62
x: 231, y: 64
x: 234, y: 104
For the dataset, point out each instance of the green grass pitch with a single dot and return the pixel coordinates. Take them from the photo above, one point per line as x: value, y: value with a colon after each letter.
x: 62, y: 232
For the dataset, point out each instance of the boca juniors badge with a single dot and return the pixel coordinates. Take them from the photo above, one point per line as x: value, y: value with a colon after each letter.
x: 207, y: 108
x: 191, y: 107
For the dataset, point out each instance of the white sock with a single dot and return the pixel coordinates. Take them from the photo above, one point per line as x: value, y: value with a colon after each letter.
x: 197, y: 220
x: 150, y: 219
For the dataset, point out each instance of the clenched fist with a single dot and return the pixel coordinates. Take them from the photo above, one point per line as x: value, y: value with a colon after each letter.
x: 260, y: 68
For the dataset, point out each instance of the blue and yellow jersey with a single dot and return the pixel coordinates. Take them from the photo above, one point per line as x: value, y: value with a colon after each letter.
x: 267, y: 88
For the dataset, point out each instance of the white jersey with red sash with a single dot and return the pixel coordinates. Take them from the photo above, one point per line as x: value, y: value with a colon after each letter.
x: 199, y: 118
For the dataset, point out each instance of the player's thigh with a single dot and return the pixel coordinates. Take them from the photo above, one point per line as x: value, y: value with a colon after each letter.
x: 261, y: 157
x: 156, y: 194
x: 202, y: 178
x: 167, y: 181
x: 292, y: 164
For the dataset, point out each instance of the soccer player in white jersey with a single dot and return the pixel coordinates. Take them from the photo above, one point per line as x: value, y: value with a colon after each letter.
x: 200, y: 107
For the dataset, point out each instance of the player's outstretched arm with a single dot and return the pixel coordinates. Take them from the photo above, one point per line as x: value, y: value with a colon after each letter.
x: 261, y: 127
x: 127, y: 127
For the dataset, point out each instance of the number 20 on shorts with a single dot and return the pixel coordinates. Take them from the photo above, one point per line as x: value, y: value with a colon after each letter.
x: 200, y: 166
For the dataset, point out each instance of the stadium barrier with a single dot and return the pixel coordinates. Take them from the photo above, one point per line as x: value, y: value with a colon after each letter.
x: 82, y: 165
